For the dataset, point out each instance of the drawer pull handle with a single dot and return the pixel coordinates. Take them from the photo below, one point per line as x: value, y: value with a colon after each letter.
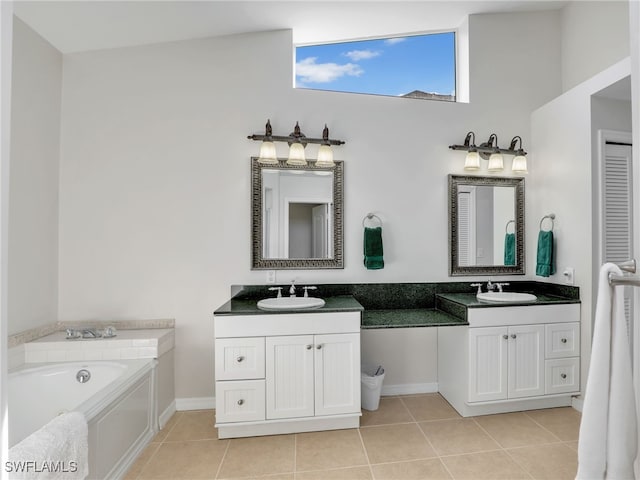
x: 309, y: 347
x: 240, y: 358
x: 563, y: 375
x: 513, y: 335
x: 319, y: 346
x: 505, y: 336
x: 241, y: 402
x: 563, y: 340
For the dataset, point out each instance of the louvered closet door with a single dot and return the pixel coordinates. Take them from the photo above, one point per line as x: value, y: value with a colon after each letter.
x: 466, y: 226
x: 617, y: 213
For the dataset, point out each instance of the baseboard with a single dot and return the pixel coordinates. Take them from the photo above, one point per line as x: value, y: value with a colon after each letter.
x: 166, y: 415
x: 195, y: 403
x: 408, y: 389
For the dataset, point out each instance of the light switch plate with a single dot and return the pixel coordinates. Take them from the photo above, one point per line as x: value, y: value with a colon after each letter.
x: 271, y: 276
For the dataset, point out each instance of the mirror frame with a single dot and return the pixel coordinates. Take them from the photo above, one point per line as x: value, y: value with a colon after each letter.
x: 456, y: 270
x: 258, y: 262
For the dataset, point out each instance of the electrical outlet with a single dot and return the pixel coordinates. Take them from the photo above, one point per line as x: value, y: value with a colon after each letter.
x: 271, y: 276
x: 569, y: 275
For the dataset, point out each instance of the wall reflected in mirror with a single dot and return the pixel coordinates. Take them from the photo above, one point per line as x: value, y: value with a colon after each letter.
x: 297, y: 206
x: 486, y: 225
x: 296, y: 216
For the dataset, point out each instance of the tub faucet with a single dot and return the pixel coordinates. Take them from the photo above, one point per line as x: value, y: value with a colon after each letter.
x: 91, y: 333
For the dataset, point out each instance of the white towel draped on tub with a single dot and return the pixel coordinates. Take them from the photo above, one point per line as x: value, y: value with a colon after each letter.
x: 608, y: 435
x: 59, y: 450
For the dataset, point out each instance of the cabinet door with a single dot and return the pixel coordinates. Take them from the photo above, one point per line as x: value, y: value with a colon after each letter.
x: 337, y: 373
x: 289, y: 376
x: 487, y: 364
x: 526, y: 361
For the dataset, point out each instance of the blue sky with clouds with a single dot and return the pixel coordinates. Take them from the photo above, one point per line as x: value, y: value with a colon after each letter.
x: 394, y: 66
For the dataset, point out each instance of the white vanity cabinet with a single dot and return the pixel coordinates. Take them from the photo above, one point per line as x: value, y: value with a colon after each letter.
x: 510, y: 359
x: 285, y: 373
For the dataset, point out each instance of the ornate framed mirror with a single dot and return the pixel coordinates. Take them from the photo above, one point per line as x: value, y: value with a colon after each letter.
x: 486, y: 225
x: 296, y: 216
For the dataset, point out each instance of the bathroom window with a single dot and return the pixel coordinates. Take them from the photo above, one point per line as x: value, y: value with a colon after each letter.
x: 415, y: 66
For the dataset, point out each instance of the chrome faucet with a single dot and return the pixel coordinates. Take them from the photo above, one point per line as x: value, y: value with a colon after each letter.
x: 491, y: 287
x: 91, y: 333
x: 292, y: 289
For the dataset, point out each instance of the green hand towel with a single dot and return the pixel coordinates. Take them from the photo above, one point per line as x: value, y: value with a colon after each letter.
x: 510, y: 249
x: 545, y: 262
x: 373, y: 248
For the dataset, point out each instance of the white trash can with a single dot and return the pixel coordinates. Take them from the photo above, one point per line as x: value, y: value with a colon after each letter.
x: 371, y: 378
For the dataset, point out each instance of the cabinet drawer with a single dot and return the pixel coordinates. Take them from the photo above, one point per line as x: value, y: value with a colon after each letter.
x: 562, y: 375
x: 240, y: 358
x: 562, y: 340
x: 240, y: 401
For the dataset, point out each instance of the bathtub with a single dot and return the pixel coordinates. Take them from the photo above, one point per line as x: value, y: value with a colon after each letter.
x: 118, y: 401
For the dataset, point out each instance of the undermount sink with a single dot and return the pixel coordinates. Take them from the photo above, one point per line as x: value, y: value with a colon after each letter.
x: 505, y: 297
x: 290, y: 303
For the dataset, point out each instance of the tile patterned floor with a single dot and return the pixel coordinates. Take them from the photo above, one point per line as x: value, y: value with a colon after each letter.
x: 408, y: 437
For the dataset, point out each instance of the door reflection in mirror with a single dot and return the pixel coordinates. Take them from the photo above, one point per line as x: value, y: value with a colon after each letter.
x: 483, y: 215
x: 297, y: 220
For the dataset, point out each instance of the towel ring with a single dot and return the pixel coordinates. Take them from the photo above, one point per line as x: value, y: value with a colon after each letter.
x: 371, y: 216
x: 506, y: 227
x: 551, y: 217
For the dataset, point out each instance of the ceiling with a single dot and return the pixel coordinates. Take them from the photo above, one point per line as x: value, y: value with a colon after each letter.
x: 76, y: 26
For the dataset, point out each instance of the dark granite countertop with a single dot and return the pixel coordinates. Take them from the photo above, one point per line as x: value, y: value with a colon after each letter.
x: 400, y: 304
x: 410, y: 317
x: 457, y: 304
x: 248, y: 306
x: 469, y: 300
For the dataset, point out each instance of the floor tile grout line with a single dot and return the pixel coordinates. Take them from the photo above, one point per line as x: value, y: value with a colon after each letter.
x: 366, y: 454
x: 503, y: 449
x: 543, y: 427
x: 513, y: 459
x: 427, y: 438
x: 295, y: 454
x: 148, y: 460
x: 224, y: 455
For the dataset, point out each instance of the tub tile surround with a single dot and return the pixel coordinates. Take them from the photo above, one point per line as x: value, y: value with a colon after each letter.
x: 128, y: 344
x: 401, y: 305
x: 134, y: 339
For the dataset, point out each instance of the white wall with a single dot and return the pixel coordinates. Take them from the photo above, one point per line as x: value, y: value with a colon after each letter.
x: 6, y: 47
x: 595, y: 35
x: 154, y: 183
x: 33, y: 210
x: 561, y: 182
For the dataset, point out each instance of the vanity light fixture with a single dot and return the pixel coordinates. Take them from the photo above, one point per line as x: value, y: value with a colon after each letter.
x: 268, y: 148
x: 472, y: 161
x: 492, y: 152
x: 325, y: 153
x: 297, y: 142
x: 496, y: 163
x: 296, y: 148
x: 519, y: 164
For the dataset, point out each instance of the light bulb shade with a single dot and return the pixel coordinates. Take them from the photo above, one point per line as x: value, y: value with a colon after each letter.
x: 519, y: 164
x: 325, y: 157
x: 296, y: 155
x: 472, y: 162
x: 496, y: 164
x: 268, y: 153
